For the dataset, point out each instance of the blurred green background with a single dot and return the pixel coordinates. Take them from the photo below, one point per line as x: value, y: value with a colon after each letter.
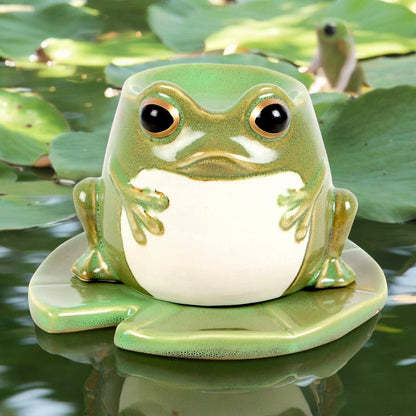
x: 62, y: 64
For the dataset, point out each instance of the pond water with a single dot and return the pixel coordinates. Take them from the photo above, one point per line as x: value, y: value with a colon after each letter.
x: 368, y: 372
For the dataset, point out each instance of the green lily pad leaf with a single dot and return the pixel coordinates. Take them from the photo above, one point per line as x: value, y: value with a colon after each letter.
x: 282, y: 28
x: 371, y: 146
x: 76, y: 155
x: 122, y: 15
x: 30, y: 78
x: 79, y: 155
x: 327, y: 105
x: 379, y: 28
x: 33, y: 203
x: 248, y: 24
x: 116, y: 75
x: 22, y: 32
x: 7, y: 173
x: 125, y: 48
x: 390, y: 72
x: 410, y: 4
x: 78, y: 93
x: 30, y: 4
x: 27, y: 125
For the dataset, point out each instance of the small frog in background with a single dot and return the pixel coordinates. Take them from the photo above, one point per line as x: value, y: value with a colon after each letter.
x: 336, y: 56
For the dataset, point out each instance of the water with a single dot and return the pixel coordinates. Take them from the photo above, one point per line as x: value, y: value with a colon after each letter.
x: 369, y: 372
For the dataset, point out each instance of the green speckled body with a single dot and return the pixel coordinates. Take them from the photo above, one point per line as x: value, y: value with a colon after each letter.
x: 214, y: 101
x: 214, y: 165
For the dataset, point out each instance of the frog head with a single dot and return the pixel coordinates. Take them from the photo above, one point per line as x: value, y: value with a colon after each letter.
x: 215, y: 122
x: 331, y: 31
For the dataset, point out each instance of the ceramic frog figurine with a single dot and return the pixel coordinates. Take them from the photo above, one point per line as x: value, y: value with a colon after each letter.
x: 216, y: 190
x: 336, y: 55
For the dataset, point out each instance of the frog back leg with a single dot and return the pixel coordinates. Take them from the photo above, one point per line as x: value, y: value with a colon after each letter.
x: 333, y: 271
x: 88, y: 201
x: 323, y: 266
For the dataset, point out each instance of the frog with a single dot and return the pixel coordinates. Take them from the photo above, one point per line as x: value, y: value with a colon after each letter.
x: 337, y: 57
x: 215, y: 190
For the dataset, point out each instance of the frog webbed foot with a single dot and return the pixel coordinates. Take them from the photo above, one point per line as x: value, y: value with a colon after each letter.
x: 137, y: 204
x: 300, y: 203
x: 298, y: 213
x: 334, y: 272
x: 92, y: 264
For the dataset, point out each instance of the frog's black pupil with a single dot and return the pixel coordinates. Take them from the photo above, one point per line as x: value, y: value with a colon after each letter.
x: 155, y: 118
x: 273, y: 118
x: 330, y: 29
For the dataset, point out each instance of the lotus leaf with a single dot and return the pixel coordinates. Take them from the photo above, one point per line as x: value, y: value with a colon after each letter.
x: 280, y: 27
x: 371, y: 148
x: 390, y: 72
x: 25, y: 204
x: 27, y: 125
x: 23, y: 31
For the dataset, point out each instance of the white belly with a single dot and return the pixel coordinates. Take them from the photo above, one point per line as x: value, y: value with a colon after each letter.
x: 222, y: 243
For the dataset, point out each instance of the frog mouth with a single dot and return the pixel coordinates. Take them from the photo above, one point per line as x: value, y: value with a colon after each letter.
x: 216, y: 165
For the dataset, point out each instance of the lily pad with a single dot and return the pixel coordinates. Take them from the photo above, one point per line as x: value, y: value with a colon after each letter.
x: 390, y: 72
x: 122, y: 15
x: 78, y: 155
x: 22, y: 32
x: 116, y: 75
x: 246, y: 24
x: 7, y: 173
x: 371, y: 146
x: 84, y: 103
x: 126, y: 48
x: 282, y: 28
x: 33, y: 4
x: 27, y: 125
x: 33, y: 203
x: 328, y: 105
x: 410, y: 4
x: 79, y: 94
x: 379, y: 28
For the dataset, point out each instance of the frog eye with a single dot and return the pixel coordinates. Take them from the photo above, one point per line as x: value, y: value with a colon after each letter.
x: 158, y: 117
x: 269, y: 118
x: 330, y: 29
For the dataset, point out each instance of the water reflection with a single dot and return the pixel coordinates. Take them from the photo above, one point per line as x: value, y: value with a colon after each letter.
x: 379, y: 380
x: 403, y: 289
x: 393, y: 246
x: 35, y: 402
x: 125, y: 383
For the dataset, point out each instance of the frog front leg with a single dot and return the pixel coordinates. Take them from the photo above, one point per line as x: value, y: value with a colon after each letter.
x: 139, y: 204
x: 300, y: 204
x: 91, y: 265
x: 333, y: 271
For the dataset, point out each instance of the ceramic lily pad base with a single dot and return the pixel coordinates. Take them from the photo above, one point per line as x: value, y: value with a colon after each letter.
x: 60, y: 302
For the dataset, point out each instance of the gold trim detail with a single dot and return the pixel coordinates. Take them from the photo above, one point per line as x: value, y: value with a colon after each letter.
x: 256, y: 111
x: 173, y: 111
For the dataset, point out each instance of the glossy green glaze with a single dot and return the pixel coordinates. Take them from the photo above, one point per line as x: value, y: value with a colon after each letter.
x: 137, y: 384
x: 215, y: 141
x: 336, y: 55
x: 61, y: 303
